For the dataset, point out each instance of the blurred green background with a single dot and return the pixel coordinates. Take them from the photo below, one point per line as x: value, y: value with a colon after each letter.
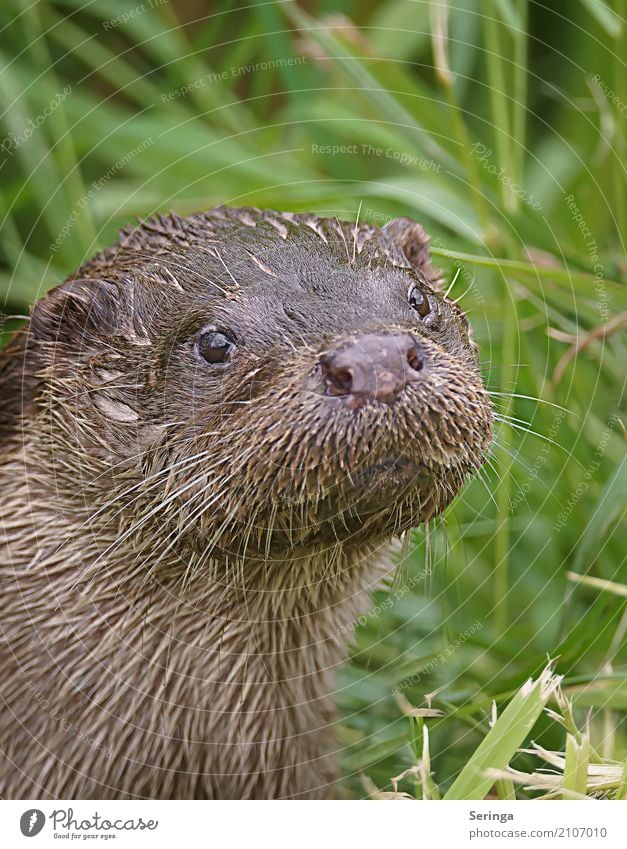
x: 502, y: 127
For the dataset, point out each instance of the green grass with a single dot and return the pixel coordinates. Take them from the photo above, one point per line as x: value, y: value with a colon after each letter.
x: 574, y: 773
x: 529, y: 563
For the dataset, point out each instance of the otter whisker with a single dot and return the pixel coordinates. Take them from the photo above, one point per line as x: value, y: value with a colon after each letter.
x: 513, y: 423
x: 121, y: 496
x: 481, y: 478
x: 493, y: 393
x: 155, y: 510
x: 356, y: 232
x: 507, y: 470
x: 157, y: 481
x: 453, y: 281
x: 512, y: 454
x: 340, y: 230
x: 465, y: 292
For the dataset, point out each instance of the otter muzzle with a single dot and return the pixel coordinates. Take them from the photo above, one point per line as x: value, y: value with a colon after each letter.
x: 373, y: 367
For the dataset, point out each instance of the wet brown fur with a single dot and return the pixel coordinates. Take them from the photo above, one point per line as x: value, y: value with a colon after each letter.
x: 183, y: 546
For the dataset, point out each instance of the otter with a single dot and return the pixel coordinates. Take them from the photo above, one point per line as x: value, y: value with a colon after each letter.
x: 209, y: 435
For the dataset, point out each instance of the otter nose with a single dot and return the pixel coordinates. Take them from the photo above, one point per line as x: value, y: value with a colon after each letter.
x: 373, y: 367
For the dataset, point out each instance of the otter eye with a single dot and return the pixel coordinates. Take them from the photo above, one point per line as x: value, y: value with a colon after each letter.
x: 419, y: 302
x: 214, y: 347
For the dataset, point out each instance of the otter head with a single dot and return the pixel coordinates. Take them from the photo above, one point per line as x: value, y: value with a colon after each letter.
x: 261, y: 385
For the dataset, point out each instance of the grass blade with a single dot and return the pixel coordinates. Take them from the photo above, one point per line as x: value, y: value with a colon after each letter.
x: 576, y: 766
x: 505, y: 737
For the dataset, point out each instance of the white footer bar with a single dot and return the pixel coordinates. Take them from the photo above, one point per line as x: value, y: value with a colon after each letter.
x: 319, y: 825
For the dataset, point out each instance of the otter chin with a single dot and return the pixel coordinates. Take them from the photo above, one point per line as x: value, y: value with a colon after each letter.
x: 380, y: 485
x: 209, y: 435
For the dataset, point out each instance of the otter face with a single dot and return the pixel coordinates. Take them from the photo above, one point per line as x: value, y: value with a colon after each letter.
x: 269, y: 383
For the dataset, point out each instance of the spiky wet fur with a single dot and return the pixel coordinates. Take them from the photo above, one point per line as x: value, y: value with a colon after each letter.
x: 184, y: 546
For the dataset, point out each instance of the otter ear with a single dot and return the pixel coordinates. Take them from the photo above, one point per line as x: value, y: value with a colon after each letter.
x: 413, y: 241
x: 78, y: 315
